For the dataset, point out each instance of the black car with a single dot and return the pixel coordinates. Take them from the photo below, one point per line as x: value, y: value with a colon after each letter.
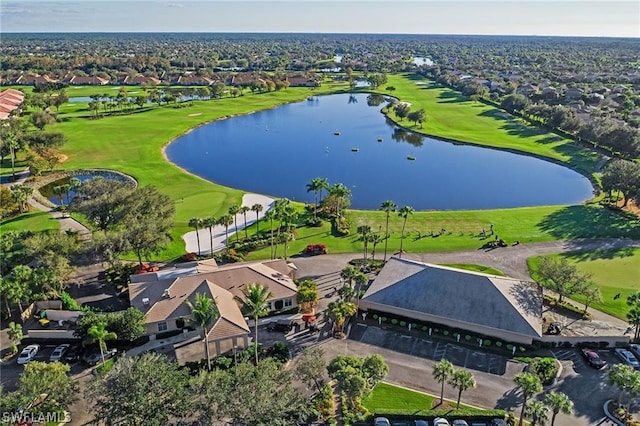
x: 593, y: 358
x: 283, y: 325
x: 93, y: 358
x: 72, y: 354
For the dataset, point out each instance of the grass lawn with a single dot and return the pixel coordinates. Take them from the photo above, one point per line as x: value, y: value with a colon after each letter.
x: 613, y: 271
x: 33, y: 221
x: 389, y: 399
x: 132, y: 144
x: 475, y: 268
x: 452, y: 116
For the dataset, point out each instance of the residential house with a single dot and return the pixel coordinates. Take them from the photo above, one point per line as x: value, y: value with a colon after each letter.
x: 527, y: 90
x: 141, y: 80
x: 194, y: 80
x: 550, y: 94
x: 301, y: 81
x: 573, y: 94
x: 10, y: 101
x: 77, y: 80
x: 33, y: 80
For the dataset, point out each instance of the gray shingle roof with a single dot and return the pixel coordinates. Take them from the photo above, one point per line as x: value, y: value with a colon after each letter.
x: 470, y: 297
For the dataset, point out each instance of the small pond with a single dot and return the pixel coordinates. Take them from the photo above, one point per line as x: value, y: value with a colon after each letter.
x: 47, y: 190
x: 346, y: 139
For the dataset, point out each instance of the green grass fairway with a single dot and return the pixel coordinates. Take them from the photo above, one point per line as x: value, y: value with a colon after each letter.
x: 452, y: 116
x: 35, y: 221
x: 389, y: 399
x: 614, y: 271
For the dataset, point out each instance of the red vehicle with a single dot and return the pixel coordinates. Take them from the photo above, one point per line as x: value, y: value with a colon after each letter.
x: 314, y: 249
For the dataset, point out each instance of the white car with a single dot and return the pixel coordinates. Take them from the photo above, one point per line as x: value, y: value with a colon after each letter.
x: 439, y: 421
x: 381, y: 421
x: 28, y: 353
x: 59, y: 352
x: 627, y: 357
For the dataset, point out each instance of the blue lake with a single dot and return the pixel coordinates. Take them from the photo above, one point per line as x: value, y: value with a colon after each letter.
x: 278, y: 151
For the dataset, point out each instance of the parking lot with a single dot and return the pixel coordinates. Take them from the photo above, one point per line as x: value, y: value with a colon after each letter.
x: 430, y: 349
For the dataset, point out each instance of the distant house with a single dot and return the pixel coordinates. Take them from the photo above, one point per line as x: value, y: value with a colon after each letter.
x: 301, y: 81
x: 573, y: 94
x: 194, y: 80
x: 550, y: 93
x: 10, y: 101
x: 31, y: 80
x: 141, y: 80
x: 244, y: 79
x: 77, y: 80
x: 161, y: 296
x: 488, y: 305
x: 527, y: 90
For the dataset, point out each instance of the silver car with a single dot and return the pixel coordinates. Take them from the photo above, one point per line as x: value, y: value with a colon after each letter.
x: 627, y: 357
x: 59, y: 352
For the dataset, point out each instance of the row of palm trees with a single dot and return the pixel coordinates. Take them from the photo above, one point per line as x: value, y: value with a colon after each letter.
x: 225, y: 220
x: 204, y: 312
x: 388, y: 207
x: 338, y: 193
x: 530, y: 385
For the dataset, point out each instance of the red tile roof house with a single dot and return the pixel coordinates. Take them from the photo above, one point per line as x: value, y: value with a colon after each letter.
x: 141, y: 80
x: 194, y: 80
x: 302, y: 82
x: 10, y: 101
x: 33, y: 79
x: 161, y: 296
x: 88, y: 81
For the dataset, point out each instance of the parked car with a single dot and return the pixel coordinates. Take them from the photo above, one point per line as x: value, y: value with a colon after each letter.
x: 381, y: 421
x: 72, y: 355
x: 314, y: 249
x: 627, y: 357
x: 283, y: 325
x: 593, y: 358
x: 439, y: 421
x: 59, y: 352
x: 93, y: 358
x: 460, y: 422
x: 421, y: 423
x: 498, y: 422
x: 635, y: 350
x: 28, y: 353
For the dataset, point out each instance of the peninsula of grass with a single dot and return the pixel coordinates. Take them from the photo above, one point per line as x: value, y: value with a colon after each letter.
x: 387, y: 399
x: 475, y: 268
x: 32, y: 221
x: 613, y: 271
x: 132, y: 143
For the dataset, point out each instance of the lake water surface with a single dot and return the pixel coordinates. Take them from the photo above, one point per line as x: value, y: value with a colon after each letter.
x: 278, y: 151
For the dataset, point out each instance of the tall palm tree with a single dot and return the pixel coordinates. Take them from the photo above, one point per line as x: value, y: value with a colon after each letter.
x: 244, y: 210
x: 340, y: 192
x: 530, y: 385
x: 462, y: 380
x: 256, y: 301
x: 375, y: 240
x: 210, y: 222
x: 290, y: 217
x: 280, y: 207
x: 340, y: 312
x: 196, y: 222
x: 365, y: 231
x: 404, y: 213
x: 257, y: 207
x: 537, y: 412
x: 98, y: 333
x: 11, y: 141
x: 387, y: 207
x: 203, y: 312
x: 226, y: 220
x: 233, y: 211
x: 558, y: 402
x: 316, y: 186
x: 442, y: 370
x: 270, y: 215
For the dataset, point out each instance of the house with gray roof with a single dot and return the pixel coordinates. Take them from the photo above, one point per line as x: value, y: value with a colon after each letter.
x: 490, y: 305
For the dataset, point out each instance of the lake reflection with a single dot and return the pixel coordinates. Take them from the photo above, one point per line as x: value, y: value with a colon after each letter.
x: 344, y: 139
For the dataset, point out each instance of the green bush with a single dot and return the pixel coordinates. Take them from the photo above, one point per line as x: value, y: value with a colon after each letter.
x: 486, y: 342
x: 545, y: 368
x: 445, y: 333
x: 68, y: 302
x: 510, y: 347
x: 374, y: 316
x: 499, y: 344
x: 467, y: 338
x: 522, y: 349
x: 403, y: 323
x: 394, y: 321
x: 424, y: 328
x: 383, y: 319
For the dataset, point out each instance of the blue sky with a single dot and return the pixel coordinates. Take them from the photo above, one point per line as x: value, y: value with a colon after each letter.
x: 502, y: 17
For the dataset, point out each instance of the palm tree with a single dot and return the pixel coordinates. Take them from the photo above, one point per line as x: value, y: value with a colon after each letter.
x: 365, y: 231
x: 340, y: 312
x: 256, y: 297
x: 530, y: 385
x: 404, y: 213
x: 270, y: 215
x: 375, y: 240
x: 462, y: 380
x: 98, y: 333
x: 340, y: 192
x: 210, y: 222
x: 537, y: 412
x: 316, y: 186
x: 226, y: 221
x: 58, y: 191
x: 442, y: 370
x: 290, y: 216
x: 558, y: 402
x: 233, y: 211
x: 15, y: 335
x: 280, y: 208
x: 257, y: 207
x: 196, y: 222
x: 244, y: 210
x: 11, y: 141
x: 203, y: 312
x: 387, y: 207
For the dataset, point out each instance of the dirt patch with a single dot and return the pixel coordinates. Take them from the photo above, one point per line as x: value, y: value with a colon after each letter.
x: 195, y: 114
